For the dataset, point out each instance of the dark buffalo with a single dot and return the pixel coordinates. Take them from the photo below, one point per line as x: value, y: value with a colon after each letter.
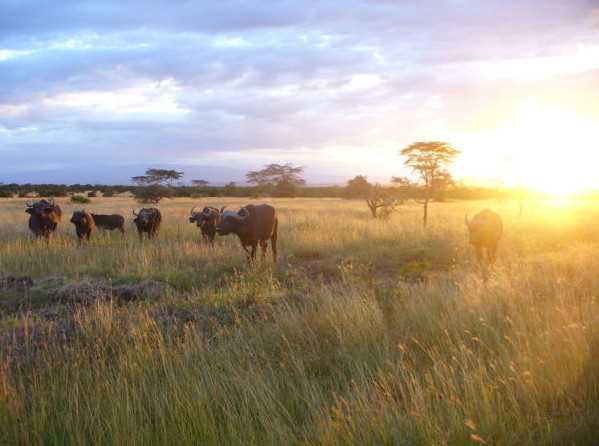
x: 253, y: 225
x: 44, y: 216
x: 110, y: 222
x: 148, y: 220
x: 84, y: 224
x: 485, y: 230
x: 207, y: 220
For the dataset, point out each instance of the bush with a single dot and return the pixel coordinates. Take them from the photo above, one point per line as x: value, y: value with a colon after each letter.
x: 153, y: 194
x: 285, y: 189
x: 92, y: 194
x: 80, y: 199
x: 108, y: 194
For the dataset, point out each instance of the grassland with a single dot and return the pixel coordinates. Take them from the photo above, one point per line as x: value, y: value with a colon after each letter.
x: 365, y: 332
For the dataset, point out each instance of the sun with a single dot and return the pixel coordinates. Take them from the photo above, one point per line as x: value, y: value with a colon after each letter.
x: 554, y: 150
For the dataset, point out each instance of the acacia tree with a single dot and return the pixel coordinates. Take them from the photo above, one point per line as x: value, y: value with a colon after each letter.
x: 430, y: 160
x: 358, y: 187
x: 283, y: 179
x: 155, y: 185
x: 382, y: 201
x: 200, y: 183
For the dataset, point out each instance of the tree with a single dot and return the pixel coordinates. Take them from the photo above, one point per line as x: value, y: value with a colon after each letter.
x: 199, y: 183
x: 401, y: 181
x: 155, y: 185
x: 230, y: 188
x: 164, y: 177
x: 282, y: 179
x: 153, y: 193
x: 382, y: 202
x: 358, y: 187
x: 285, y: 188
x: 430, y: 161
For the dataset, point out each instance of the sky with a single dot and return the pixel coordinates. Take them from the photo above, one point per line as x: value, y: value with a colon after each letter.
x: 98, y: 91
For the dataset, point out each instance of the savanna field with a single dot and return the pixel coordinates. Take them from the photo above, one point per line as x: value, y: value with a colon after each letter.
x: 364, y: 332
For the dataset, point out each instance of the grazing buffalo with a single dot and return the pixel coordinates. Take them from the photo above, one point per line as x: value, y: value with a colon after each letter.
x: 110, y: 222
x: 485, y: 230
x: 253, y: 225
x: 148, y: 220
x: 207, y: 220
x: 84, y: 224
x: 44, y: 216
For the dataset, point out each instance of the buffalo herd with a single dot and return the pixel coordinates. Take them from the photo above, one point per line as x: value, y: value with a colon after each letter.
x: 253, y: 224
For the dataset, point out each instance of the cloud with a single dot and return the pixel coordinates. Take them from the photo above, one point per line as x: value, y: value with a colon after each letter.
x: 236, y: 81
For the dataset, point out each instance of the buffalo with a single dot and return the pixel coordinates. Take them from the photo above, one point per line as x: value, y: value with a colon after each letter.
x: 148, y: 220
x: 485, y: 230
x: 44, y: 216
x: 253, y: 224
x: 84, y: 224
x: 207, y: 220
x: 109, y: 222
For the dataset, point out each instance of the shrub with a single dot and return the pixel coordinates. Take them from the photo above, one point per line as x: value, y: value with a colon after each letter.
x: 285, y: 189
x: 153, y: 194
x: 80, y: 199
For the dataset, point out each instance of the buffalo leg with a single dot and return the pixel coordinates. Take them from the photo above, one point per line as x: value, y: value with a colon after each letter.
x: 251, y: 254
x: 492, y: 253
x: 263, y: 247
x: 273, y: 241
x: 479, y: 253
x: 247, y: 251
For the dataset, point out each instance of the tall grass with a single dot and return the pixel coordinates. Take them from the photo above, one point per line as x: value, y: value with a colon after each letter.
x: 365, y: 333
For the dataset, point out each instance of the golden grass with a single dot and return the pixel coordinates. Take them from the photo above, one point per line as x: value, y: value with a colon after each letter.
x: 365, y: 332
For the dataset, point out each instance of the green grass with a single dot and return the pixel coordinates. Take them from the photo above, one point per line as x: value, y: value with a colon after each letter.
x: 365, y: 332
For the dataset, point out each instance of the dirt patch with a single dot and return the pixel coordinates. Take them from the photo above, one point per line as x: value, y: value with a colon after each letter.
x: 320, y: 270
x: 16, y: 283
x: 309, y: 255
x: 88, y: 291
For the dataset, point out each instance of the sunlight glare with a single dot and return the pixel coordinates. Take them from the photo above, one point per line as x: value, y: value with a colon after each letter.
x: 553, y: 150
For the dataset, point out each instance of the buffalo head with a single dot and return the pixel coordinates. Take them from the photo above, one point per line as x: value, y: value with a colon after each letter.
x: 209, y: 215
x: 46, y: 210
x: 231, y: 222
x: 77, y: 217
x: 144, y: 216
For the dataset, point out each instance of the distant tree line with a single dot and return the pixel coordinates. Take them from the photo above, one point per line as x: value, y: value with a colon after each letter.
x: 430, y: 182
x: 457, y: 192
